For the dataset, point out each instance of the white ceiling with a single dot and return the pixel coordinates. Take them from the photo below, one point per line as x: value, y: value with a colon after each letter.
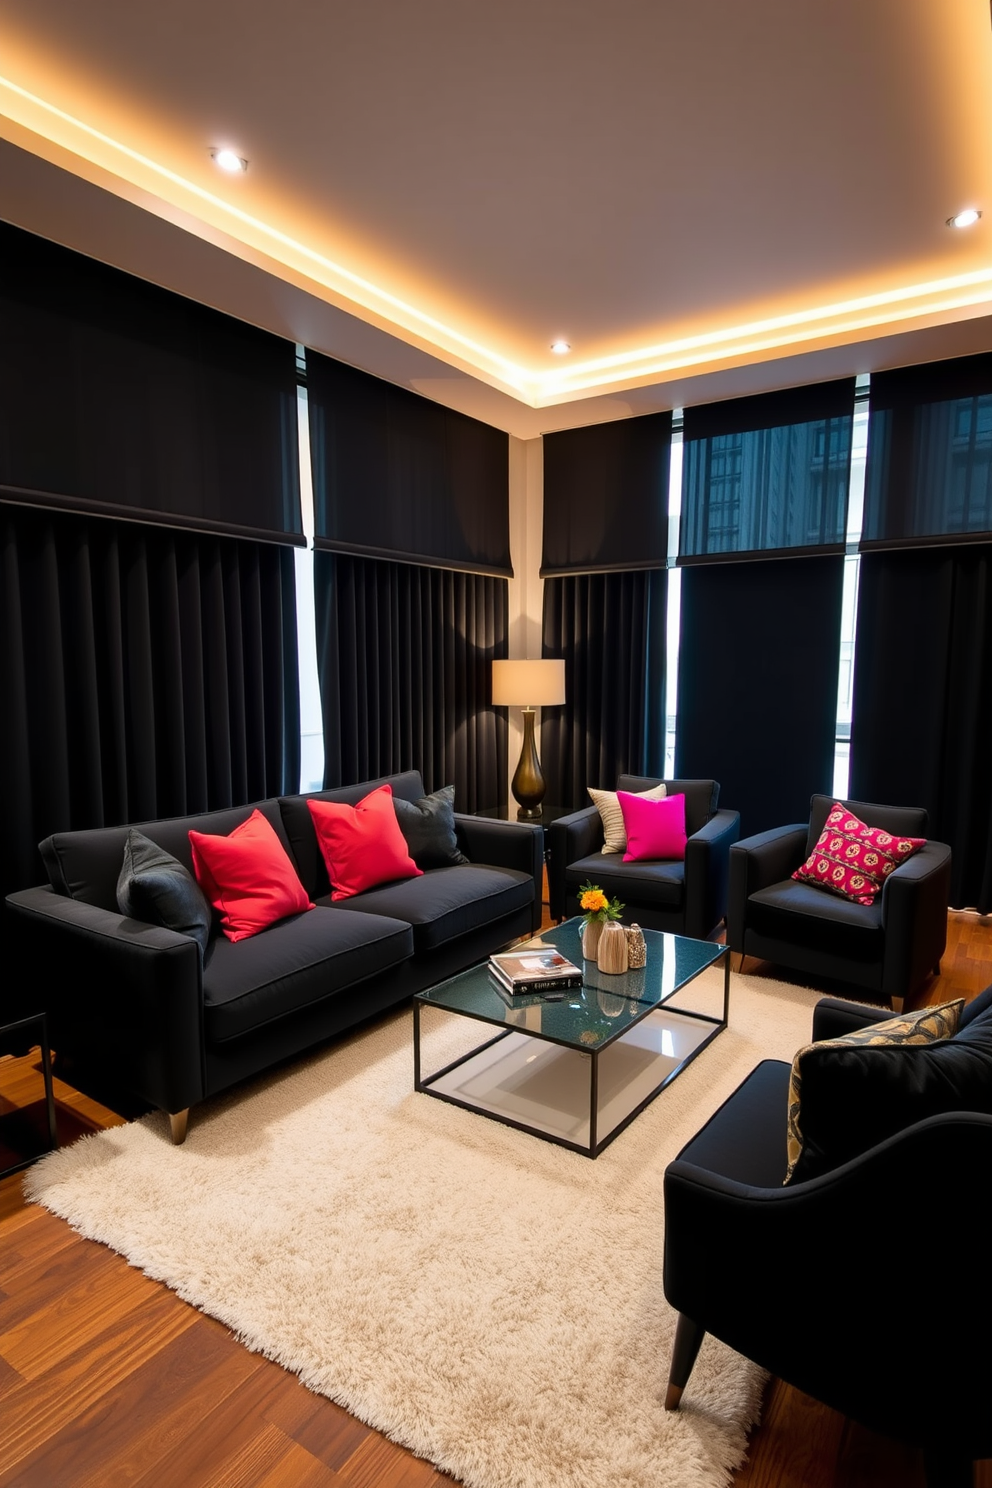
x: 705, y: 198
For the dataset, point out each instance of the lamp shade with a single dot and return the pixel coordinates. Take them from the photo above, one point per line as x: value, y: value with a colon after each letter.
x: 528, y: 684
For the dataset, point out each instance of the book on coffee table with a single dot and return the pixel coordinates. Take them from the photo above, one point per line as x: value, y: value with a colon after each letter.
x: 541, y: 969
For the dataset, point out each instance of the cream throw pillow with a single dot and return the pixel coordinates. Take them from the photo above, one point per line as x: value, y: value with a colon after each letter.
x: 608, y: 807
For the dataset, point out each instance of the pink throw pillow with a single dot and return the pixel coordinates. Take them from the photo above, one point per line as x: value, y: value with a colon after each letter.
x: 854, y: 860
x: 655, y: 829
x: 362, y: 845
x: 248, y: 877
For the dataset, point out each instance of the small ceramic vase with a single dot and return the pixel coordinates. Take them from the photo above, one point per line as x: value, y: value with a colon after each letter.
x: 612, y: 954
x: 637, y: 951
x: 591, y: 932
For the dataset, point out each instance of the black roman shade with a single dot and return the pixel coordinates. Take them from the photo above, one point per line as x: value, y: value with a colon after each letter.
x: 929, y: 473
x: 767, y: 475
x: 398, y: 476
x: 606, y: 496
x: 122, y: 399
x: 758, y: 684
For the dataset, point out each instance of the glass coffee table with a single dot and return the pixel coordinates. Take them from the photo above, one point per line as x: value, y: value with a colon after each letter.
x: 575, y: 1071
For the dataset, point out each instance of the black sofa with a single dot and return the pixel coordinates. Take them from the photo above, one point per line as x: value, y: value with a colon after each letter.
x: 130, y: 1005
x: 687, y: 898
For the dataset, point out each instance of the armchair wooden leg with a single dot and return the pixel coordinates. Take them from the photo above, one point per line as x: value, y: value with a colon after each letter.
x: 936, y: 970
x: 178, y: 1122
x: 688, y: 1337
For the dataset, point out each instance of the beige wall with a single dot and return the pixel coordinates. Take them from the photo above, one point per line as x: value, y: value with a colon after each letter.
x: 526, y: 586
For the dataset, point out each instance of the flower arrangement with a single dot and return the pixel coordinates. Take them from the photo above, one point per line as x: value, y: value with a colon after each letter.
x: 598, y: 909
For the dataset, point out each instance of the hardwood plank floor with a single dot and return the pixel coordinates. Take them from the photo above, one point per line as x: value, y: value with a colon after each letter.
x: 108, y: 1380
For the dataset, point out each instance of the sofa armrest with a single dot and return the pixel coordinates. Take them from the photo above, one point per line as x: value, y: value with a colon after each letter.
x: 570, y: 838
x: 914, y: 918
x: 505, y: 844
x: 707, y: 870
x: 833, y: 1017
x: 756, y: 863
x: 120, y: 994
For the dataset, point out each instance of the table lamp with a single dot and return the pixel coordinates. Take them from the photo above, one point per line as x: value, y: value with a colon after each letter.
x: 528, y: 685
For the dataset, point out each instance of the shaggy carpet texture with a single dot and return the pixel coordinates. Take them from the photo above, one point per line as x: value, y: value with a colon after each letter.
x: 489, y: 1300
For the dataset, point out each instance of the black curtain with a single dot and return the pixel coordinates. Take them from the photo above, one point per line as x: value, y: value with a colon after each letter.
x: 398, y: 476
x: 143, y: 673
x: 606, y: 496
x: 929, y: 472
x: 610, y: 628
x: 120, y: 397
x: 757, y: 694
x: 768, y: 474
x: 922, y: 725
x: 404, y: 655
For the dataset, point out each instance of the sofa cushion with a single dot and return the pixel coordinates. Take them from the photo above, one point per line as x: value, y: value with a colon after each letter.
x: 448, y: 902
x: 701, y: 796
x: 796, y: 912
x: 248, y: 877
x: 428, y: 825
x: 655, y: 884
x: 655, y: 829
x: 608, y: 805
x: 294, y: 964
x: 361, y: 845
x: 904, y: 821
x: 298, y: 826
x: 155, y: 887
x: 853, y: 1097
x: 854, y: 860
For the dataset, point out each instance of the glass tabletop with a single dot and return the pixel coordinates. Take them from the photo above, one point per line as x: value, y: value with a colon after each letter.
x: 592, y: 1015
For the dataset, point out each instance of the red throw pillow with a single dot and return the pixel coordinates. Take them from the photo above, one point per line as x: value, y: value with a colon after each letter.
x: 248, y: 877
x: 854, y: 860
x: 362, y: 845
x: 655, y: 829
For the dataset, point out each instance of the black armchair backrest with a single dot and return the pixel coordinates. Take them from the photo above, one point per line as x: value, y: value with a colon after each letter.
x: 908, y: 821
x: 701, y: 796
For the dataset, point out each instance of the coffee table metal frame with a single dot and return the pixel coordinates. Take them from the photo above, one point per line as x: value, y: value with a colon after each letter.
x: 446, y: 997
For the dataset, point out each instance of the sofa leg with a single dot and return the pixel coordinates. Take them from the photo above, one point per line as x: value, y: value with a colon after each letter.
x: 178, y: 1122
x: 688, y: 1337
x: 897, y: 1003
x: 936, y: 970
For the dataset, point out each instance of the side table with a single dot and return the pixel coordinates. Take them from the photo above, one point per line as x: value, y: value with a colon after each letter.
x: 16, y: 1126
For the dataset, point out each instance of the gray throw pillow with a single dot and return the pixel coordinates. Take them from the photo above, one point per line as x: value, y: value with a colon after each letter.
x: 429, y: 828
x: 155, y: 887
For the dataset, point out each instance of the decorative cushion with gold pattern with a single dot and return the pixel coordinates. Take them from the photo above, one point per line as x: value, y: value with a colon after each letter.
x: 847, y: 1094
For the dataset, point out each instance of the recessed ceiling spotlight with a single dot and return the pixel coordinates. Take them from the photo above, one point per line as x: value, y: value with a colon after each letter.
x: 560, y: 348
x: 229, y: 160
x: 967, y: 218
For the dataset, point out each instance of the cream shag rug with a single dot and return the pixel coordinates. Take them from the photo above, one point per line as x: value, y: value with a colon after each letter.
x: 487, y: 1299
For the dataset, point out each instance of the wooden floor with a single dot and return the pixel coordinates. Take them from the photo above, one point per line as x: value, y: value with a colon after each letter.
x: 107, y: 1379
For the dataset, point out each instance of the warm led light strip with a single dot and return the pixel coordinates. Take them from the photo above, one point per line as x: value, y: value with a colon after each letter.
x: 539, y: 389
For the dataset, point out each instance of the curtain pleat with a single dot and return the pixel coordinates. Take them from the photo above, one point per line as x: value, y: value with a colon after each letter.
x: 610, y: 630
x: 145, y: 674
x: 922, y: 722
x: 404, y: 655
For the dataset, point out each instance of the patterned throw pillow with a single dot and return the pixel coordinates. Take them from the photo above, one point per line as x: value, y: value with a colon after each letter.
x: 606, y: 803
x: 823, y: 1140
x: 853, y: 859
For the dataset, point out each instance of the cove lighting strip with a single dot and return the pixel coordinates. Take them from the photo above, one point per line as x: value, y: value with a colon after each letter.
x: 834, y: 322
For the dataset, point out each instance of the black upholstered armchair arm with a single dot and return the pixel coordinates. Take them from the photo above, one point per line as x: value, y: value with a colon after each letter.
x: 707, y: 868
x: 570, y: 838
x: 914, y: 917
x: 142, y: 1013
x: 505, y: 844
x: 833, y: 1017
x: 755, y: 863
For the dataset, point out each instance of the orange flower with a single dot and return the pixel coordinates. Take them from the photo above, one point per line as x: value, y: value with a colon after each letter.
x: 593, y: 900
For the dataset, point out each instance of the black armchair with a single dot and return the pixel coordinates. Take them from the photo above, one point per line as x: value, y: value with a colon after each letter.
x: 853, y: 1285
x: 687, y: 898
x: 889, y: 947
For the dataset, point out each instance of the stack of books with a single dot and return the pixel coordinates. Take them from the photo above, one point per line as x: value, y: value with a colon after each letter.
x: 533, y: 969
